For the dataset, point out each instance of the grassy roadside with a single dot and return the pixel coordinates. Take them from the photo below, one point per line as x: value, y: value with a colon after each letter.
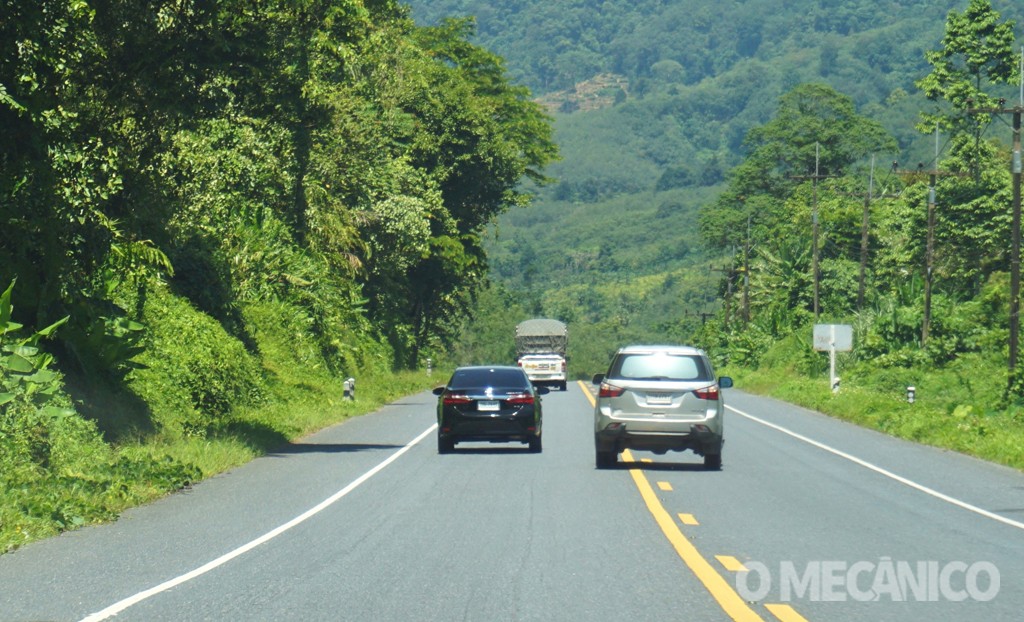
x: 306, y: 409
x: 100, y: 482
x: 955, y: 408
x: 196, y: 401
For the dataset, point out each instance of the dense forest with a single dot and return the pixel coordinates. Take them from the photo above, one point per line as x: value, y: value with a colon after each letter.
x: 644, y: 235
x: 213, y: 212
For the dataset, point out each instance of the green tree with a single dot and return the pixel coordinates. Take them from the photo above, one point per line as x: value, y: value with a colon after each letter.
x: 976, y: 55
x: 977, y: 52
x: 477, y: 137
x: 816, y: 130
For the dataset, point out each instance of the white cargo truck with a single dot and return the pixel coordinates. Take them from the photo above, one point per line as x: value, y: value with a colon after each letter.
x: 540, y: 351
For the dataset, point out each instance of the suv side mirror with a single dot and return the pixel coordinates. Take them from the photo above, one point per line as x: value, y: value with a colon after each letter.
x: 598, y: 378
x: 725, y: 382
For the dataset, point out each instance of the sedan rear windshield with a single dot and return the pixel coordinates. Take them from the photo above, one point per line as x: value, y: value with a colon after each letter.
x: 659, y: 366
x: 506, y: 378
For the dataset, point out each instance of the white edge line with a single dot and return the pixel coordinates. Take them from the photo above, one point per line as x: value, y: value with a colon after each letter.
x: 120, y: 606
x: 889, y: 474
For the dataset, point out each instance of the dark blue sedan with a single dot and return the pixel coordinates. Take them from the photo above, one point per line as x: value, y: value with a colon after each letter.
x: 495, y: 404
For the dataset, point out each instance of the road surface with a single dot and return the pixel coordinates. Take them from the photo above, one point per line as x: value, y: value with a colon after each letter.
x: 809, y: 519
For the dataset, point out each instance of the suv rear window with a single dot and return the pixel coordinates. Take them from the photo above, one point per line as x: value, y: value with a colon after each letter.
x: 659, y: 366
x: 509, y: 378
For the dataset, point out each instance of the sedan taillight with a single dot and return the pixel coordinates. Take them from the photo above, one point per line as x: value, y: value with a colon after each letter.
x: 610, y: 390
x: 519, y: 398
x: 451, y: 399
x: 707, y: 393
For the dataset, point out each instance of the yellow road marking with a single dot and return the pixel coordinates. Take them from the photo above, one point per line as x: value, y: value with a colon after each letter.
x: 727, y: 598
x: 688, y: 519
x: 665, y: 486
x: 586, y: 391
x: 730, y: 563
x: 646, y: 460
x: 785, y: 613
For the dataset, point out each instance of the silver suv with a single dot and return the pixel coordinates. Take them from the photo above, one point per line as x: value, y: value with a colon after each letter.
x: 659, y: 398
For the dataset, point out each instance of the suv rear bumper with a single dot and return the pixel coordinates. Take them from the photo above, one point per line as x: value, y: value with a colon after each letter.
x: 699, y: 438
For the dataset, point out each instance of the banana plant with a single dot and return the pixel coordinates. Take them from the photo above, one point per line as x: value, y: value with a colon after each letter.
x: 23, y: 365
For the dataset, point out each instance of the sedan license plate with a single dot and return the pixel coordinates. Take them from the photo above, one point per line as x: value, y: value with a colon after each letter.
x: 659, y: 399
x: 489, y: 405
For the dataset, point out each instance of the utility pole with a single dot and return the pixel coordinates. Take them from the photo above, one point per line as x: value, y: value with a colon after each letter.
x: 816, y: 273
x: 814, y: 223
x: 929, y: 253
x: 865, y: 231
x: 730, y: 274
x: 1016, y: 111
x: 746, y: 276
x: 864, y: 235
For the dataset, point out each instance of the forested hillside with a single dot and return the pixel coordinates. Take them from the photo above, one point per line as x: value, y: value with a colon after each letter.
x: 212, y: 213
x: 614, y: 242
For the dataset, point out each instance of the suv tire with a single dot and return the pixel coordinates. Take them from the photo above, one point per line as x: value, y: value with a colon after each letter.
x: 445, y: 445
x: 606, y: 459
x: 713, y: 462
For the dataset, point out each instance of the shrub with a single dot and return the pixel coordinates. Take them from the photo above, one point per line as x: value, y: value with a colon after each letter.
x: 192, y: 372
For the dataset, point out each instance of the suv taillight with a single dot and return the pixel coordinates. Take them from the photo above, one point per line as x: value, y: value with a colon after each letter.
x: 610, y: 390
x: 707, y: 393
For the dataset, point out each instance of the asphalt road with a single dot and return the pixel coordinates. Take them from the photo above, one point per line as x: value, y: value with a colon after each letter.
x: 810, y: 518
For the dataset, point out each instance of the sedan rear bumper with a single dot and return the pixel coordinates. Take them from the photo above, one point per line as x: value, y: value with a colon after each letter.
x: 490, y: 429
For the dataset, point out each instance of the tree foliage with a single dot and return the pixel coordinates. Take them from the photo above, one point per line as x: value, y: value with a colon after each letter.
x: 168, y: 166
x: 977, y: 52
x: 816, y: 132
x: 170, y: 138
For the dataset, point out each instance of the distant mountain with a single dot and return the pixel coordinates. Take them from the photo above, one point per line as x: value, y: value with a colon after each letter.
x: 652, y: 100
x: 553, y: 44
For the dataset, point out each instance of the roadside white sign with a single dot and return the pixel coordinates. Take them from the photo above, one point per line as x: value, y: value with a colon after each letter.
x: 838, y: 337
x: 833, y: 338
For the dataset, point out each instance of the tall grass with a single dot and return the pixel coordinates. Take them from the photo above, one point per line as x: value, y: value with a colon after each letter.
x: 958, y: 407
x: 198, y: 402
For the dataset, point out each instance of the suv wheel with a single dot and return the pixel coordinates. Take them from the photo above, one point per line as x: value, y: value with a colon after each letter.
x: 445, y: 445
x: 606, y: 459
x: 713, y: 462
x: 535, y: 445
